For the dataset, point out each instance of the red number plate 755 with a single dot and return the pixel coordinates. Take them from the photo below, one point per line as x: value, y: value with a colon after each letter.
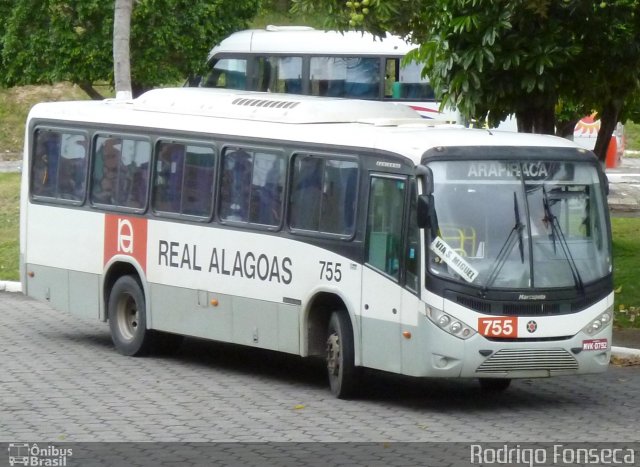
x: 498, y: 326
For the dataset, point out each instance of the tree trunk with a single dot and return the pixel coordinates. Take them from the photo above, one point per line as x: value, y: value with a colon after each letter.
x: 536, y: 120
x: 121, y: 60
x: 608, y: 122
x: 88, y: 88
x: 565, y: 129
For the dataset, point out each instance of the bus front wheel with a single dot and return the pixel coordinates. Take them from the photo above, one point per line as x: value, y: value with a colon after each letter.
x: 340, y: 356
x: 127, y: 317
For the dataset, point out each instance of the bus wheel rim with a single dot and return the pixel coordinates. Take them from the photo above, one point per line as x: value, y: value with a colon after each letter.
x: 128, y: 317
x: 333, y: 354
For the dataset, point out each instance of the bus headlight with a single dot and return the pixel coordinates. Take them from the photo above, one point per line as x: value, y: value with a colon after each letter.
x: 449, y: 324
x: 601, y: 322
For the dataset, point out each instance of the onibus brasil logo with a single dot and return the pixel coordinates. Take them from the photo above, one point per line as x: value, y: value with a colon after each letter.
x: 34, y: 455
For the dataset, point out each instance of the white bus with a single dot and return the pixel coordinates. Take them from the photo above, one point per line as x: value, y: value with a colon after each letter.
x: 345, y: 229
x: 304, y: 60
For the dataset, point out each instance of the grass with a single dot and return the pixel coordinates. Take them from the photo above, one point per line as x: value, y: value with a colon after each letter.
x: 626, y: 258
x: 632, y: 137
x: 9, y: 225
x: 15, y: 104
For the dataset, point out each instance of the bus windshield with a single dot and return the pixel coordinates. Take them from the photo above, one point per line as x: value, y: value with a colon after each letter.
x: 519, y: 225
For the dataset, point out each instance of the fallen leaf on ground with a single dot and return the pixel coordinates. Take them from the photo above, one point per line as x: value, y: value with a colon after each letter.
x: 625, y: 361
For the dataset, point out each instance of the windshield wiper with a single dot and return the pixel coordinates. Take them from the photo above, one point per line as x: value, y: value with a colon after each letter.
x: 556, y: 231
x: 503, y: 254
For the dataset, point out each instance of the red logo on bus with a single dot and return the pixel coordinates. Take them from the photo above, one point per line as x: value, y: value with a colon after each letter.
x: 125, y: 235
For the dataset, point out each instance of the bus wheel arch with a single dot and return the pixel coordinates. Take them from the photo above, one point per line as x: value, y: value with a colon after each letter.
x: 127, y: 313
x: 125, y: 305
x: 115, y: 272
x: 330, y: 334
x: 317, y: 319
x: 151, y: 340
x: 342, y: 373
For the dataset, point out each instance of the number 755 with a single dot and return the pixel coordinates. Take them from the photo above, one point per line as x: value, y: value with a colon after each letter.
x: 498, y: 326
x: 331, y: 271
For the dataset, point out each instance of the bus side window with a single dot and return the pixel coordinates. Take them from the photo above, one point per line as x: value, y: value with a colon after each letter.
x: 328, y: 76
x: 183, y: 179
x: 167, y: 177
x: 230, y: 73
x: 323, y: 195
x: 107, y: 160
x: 412, y: 85
x: 267, y: 188
x: 120, y: 172
x: 133, y: 180
x: 306, y: 192
x: 264, y: 75
x: 391, y: 77
x: 44, y: 163
x: 289, y: 79
x: 363, y: 77
x: 197, y: 196
x: 235, y: 186
x: 59, y: 165
x: 338, y: 197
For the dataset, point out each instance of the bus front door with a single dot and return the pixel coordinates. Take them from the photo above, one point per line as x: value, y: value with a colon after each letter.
x: 381, y: 291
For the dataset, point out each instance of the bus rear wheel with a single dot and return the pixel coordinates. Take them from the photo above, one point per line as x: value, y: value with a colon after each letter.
x: 127, y: 317
x: 340, y: 356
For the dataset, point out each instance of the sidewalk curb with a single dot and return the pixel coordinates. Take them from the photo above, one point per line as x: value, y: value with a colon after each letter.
x: 619, y: 352
x: 10, y: 286
x: 625, y: 352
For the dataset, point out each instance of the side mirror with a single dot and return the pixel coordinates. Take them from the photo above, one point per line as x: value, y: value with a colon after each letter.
x: 426, y: 213
x: 427, y: 175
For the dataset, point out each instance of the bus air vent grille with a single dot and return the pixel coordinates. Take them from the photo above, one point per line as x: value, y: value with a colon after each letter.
x: 531, y: 309
x: 511, y: 360
x: 477, y: 305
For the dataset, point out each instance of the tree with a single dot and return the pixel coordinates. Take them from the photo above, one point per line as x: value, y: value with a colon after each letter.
x: 47, y: 41
x: 121, y: 42
x: 548, y: 62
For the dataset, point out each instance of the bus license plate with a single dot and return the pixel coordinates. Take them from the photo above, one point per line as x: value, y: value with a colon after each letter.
x: 595, y: 344
x: 498, y: 326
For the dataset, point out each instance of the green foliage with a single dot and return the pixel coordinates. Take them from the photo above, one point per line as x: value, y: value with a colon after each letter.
x: 529, y: 57
x: 47, y: 41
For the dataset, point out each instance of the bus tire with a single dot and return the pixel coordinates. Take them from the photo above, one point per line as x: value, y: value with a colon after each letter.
x: 127, y: 317
x: 341, y: 368
x: 494, y: 384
